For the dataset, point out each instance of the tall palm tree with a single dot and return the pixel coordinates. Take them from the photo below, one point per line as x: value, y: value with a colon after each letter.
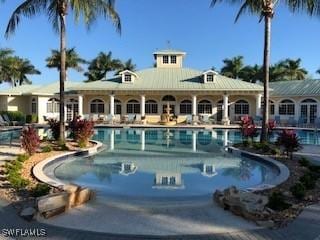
x: 73, y: 60
x: 26, y: 68
x: 57, y: 10
x: 292, y: 69
x: 232, y: 67
x: 101, y: 65
x: 265, y: 9
x: 251, y: 73
x: 127, y: 65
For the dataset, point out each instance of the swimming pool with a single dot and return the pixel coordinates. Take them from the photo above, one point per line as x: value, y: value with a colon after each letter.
x: 162, y: 163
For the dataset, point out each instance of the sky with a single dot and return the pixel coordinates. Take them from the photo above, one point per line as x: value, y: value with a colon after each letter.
x: 208, y: 35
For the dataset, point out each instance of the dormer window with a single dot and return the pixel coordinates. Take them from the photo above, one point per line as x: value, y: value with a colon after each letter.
x: 165, y: 59
x: 173, y: 59
x: 127, y: 78
x: 210, y: 78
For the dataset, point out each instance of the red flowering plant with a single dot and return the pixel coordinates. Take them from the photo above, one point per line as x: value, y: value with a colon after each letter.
x: 30, y: 140
x: 81, y: 131
x: 271, y: 125
x: 248, y: 128
x: 289, y: 141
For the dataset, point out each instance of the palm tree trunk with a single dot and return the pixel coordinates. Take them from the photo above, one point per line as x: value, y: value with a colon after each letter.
x: 62, y: 70
x: 268, y: 13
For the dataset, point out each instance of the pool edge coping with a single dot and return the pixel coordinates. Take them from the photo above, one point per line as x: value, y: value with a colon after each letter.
x: 38, y: 169
x: 284, y: 171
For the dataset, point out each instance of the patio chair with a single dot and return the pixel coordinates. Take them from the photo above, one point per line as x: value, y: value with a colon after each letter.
x: 95, y: 117
x: 278, y: 120
x: 131, y: 118
x: 258, y: 120
x: 108, y: 118
x: 292, y: 122
x: 3, y: 122
x: 204, y: 119
x: 117, y: 119
x: 189, y: 119
x: 138, y: 119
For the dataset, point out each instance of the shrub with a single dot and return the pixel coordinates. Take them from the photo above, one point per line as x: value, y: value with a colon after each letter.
x: 248, y: 128
x: 41, y: 189
x: 54, y: 126
x: 277, y: 202
x: 15, y: 116
x: 314, y: 169
x: 308, y: 180
x: 304, y: 162
x: 298, y: 190
x: 271, y: 125
x: 22, y: 157
x: 13, y: 172
x: 47, y: 148
x: 82, y: 131
x: 289, y: 140
x: 31, y: 118
x: 30, y: 140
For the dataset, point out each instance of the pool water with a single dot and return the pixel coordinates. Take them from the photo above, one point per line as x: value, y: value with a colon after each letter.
x: 163, y: 163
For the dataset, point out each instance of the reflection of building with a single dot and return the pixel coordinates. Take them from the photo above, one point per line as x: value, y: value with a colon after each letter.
x: 127, y: 169
x: 208, y: 170
x: 168, y: 180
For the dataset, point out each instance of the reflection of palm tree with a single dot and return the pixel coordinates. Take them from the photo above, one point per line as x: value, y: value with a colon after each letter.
x: 243, y: 172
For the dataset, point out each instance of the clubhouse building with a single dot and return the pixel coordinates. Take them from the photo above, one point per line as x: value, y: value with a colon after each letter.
x: 189, y: 93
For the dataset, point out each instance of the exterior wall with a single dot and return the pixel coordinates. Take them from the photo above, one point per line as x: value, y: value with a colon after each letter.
x: 19, y: 103
x: 42, y: 109
x: 3, y: 103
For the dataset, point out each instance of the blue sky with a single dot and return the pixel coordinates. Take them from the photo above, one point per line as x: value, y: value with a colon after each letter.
x: 208, y: 35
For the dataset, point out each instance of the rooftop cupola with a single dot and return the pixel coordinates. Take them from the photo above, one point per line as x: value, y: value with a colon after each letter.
x: 169, y: 58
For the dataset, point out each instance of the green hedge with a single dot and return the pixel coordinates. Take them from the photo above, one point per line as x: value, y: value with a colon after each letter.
x: 15, y: 116
x: 31, y: 118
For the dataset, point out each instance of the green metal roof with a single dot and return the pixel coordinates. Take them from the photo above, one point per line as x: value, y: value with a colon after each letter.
x: 49, y: 89
x: 176, y: 79
x: 19, y: 90
x: 296, y: 88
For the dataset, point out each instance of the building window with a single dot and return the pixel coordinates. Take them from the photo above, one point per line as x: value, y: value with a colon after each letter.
x: 168, y: 98
x: 165, y: 59
x: 164, y: 181
x: 97, y: 106
x: 127, y: 78
x: 173, y: 59
x: 286, y: 107
x: 172, y: 181
x: 133, y: 107
x: 205, y: 107
x: 117, y: 106
x: 241, y: 107
x: 151, y: 107
x: 271, y: 107
x: 210, y: 78
x: 186, y: 107
x: 34, y: 106
x: 53, y: 105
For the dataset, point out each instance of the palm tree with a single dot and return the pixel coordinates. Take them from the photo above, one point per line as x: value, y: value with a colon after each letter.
x: 265, y: 9
x: 5, y: 53
x: 101, y: 65
x: 73, y: 60
x: 251, y: 73
x: 26, y: 68
x: 292, y: 69
x: 57, y: 10
x: 127, y: 65
x: 232, y: 67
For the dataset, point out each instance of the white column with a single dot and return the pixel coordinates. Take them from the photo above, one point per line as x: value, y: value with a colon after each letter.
x: 225, y: 118
x: 143, y: 105
x: 80, y: 105
x: 258, y: 104
x: 297, y: 110
x: 143, y: 140
x: 112, y: 105
x: 194, y: 105
x: 112, y: 140
x: 194, y: 141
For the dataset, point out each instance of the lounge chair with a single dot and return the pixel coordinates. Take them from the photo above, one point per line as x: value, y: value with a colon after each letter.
x: 189, y: 119
x: 278, y: 120
x: 3, y: 122
x: 117, y: 119
x: 204, y: 119
x: 108, y: 118
x: 258, y: 120
x: 138, y: 119
x: 131, y: 118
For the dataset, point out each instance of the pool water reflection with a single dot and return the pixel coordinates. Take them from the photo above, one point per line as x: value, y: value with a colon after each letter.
x: 163, y: 163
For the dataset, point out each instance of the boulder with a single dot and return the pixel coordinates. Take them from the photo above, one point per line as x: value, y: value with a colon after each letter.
x: 266, y: 224
x: 73, y: 192
x: 52, y: 202
x: 83, y: 196
x: 54, y: 212
x: 28, y: 213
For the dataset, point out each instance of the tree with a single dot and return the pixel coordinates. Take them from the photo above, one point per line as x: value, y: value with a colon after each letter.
x: 25, y: 68
x: 127, y: 65
x: 73, y: 60
x: 265, y: 9
x: 56, y: 11
x: 251, y: 73
x: 5, y: 53
x: 101, y: 65
x: 292, y: 69
x: 232, y: 67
